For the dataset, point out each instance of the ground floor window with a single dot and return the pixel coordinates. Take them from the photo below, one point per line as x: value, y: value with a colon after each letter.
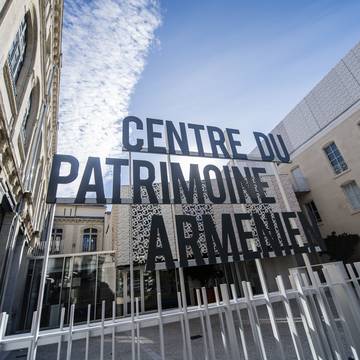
x: 86, y: 280
x: 79, y: 280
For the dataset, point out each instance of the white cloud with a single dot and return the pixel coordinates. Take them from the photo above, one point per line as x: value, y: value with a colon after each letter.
x: 105, y: 45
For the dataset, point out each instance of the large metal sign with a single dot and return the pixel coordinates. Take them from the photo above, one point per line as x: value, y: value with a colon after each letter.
x: 230, y: 184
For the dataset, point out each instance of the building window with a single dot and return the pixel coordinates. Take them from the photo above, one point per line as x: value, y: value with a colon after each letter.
x: 313, y: 211
x: 336, y: 160
x: 25, y: 120
x: 17, y: 51
x: 352, y: 192
x: 89, y: 239
x: 2, y: 5
x: 56, y: 242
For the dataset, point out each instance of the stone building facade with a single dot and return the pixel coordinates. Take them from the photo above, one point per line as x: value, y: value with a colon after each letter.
x: 30, y: 62
x: 78, y: 229
x: 81, y: 267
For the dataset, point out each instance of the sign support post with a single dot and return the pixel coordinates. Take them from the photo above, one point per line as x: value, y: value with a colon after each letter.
x: 181, y: 270
x: 323, y: 346
x: 288, y: 208
x: 33, y: 348
x: 131, y: 260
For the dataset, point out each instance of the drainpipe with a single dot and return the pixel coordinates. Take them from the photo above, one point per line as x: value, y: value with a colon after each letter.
x: 37, y: 319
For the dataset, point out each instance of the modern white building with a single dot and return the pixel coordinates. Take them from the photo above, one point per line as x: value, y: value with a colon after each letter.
x: 322, y: 134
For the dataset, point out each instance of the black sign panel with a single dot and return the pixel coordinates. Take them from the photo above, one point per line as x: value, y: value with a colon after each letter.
x: 230, y: 184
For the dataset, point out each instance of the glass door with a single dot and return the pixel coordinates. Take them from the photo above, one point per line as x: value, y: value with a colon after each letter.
x: 83, y: 286
x: 51, y: 303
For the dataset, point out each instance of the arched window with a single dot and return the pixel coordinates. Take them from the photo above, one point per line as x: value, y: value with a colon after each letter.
x: 89, y: 239
x: 29, y: 123
x: 17, y: 51
x: 21, y: 56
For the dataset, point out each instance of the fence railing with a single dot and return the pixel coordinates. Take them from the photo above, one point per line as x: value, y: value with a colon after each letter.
x: 316, y: 317
x: 56, y: 247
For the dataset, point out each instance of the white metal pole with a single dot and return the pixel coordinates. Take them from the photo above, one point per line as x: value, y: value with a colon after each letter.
x: 32, y: 332
x: 223, y: 332
x: 125, y: 292
x: 201, y: 315
x: 254, y: 320
x: 241, y: 324
x: 181, y: 316
x: 137, y: 329
x: 233, y: 164
x: 290, y: 319
x: 132, y: 309
x: 62, y: 318
x: 33, y: 349
x: 113, y: 337
x: 161, y: 327
x: 230, y: 322
x: 353, y: 278
x: 208, y: 324
x: 71, y: 324
x: 315, y: 343
x: 331, y: 328
x: 349, y: 321
x: 87, y: 332
x: 269, y: 306
x: 305, y: 256
x: 181, y: 271
x: 102, y: 339
x: 288, y: 208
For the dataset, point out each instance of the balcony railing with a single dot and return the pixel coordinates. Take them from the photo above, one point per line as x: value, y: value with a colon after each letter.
x: 300, y: 184
x: 56, y: 247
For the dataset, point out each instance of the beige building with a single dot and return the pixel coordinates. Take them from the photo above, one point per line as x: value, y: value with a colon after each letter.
x: 334, y: 193
x: 30, y: 61
x: 84, y: 228
x: 322, y: 134
x: 78, y: 229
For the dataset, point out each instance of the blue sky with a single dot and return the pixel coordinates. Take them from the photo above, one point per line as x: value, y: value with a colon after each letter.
x: 239, y: 64
x: 242, y: 64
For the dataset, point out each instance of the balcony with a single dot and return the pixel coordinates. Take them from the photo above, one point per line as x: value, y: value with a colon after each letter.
x: 56, y: 247
x: 299, y: 182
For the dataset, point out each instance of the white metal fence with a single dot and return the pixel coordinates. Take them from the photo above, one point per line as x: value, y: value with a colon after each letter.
x: 317, y: 317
